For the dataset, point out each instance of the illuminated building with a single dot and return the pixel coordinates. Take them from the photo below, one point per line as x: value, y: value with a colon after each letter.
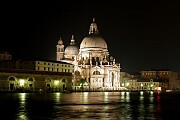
x: 35, y: 75
x: 91, y: 61
x: 133, y: 82
x: 167, y: 79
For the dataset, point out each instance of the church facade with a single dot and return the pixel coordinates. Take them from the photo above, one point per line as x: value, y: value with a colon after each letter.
x: 92, y: 62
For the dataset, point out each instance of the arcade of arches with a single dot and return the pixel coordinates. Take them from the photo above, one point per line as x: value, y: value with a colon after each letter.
x: 34, y: 82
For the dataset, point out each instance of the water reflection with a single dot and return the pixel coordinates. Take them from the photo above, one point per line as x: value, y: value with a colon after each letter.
x: 106, y: 97
x: 57, y: 97
x: 141, y: 109
x: 106, y: 107
x: 22, y: 107
x: 90, y: 105
x: 151, y: 97
x: 85, y: 97
x: 158, y: 105
x: 127, y: 97
x: 122, y: 96
x: 141, y: 97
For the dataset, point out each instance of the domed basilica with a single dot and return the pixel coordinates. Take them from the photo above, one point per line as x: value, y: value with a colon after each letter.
x: 92, y: 62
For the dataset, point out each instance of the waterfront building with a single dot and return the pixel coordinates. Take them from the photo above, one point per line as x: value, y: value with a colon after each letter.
x: 167, y: 78
x: 92, y: 62
x: 36, y: 75
x: 129, y: 79
x: 152, y: 79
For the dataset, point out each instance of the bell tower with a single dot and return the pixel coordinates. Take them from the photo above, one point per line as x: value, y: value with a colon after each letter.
x: 60, y: 50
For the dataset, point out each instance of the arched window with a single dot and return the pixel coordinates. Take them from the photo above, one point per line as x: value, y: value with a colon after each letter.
x: 12, y: 78
x: 96, y: 73
x: 30, y: 79
x: 63, y: 80
x: 48, y: 80
x: 77, y: 73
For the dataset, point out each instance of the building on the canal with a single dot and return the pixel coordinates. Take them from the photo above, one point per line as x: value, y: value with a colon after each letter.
x: 168, y: 79
x: 92, y: 62
x: 152, y: 79
x: 134, y: 82
x: 35, y: 75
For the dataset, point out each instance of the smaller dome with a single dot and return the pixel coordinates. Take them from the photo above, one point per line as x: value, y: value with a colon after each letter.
x: 71, y: 50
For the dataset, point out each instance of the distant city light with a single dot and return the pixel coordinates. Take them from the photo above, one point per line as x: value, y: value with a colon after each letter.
x: 159, y: 88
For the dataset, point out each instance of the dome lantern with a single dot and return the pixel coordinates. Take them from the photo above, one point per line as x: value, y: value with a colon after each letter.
x: 72, y: 40
x: 93, y: 40
x: 93, y: 28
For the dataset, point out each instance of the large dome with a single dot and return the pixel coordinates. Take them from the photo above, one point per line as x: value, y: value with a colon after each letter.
x: 71, y: 50
x: 93, y: 41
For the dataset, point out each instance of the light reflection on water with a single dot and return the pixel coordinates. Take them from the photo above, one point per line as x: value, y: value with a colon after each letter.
x: 22, y: 107
x: 89, y: 105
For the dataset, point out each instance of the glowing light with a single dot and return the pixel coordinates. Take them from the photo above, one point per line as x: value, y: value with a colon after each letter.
x: 85, y: 93
x: 127, y: 93
x: 122, y: 93
x: 56, y: 82
x: 122, y: 84
x: 127, y: 84
x: 159, y: 88
x: 21, y: 82
x: 141, y: 84
x: 141, y: 92
x: 106, y: 93
x: 151, y: 93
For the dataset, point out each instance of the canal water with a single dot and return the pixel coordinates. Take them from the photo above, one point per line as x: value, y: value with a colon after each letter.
x: 90, y: 106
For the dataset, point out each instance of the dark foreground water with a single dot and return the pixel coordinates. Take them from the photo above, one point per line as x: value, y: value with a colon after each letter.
x: 90, y: 106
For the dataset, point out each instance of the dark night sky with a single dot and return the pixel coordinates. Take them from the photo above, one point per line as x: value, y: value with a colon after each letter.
x: 140, y: 34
